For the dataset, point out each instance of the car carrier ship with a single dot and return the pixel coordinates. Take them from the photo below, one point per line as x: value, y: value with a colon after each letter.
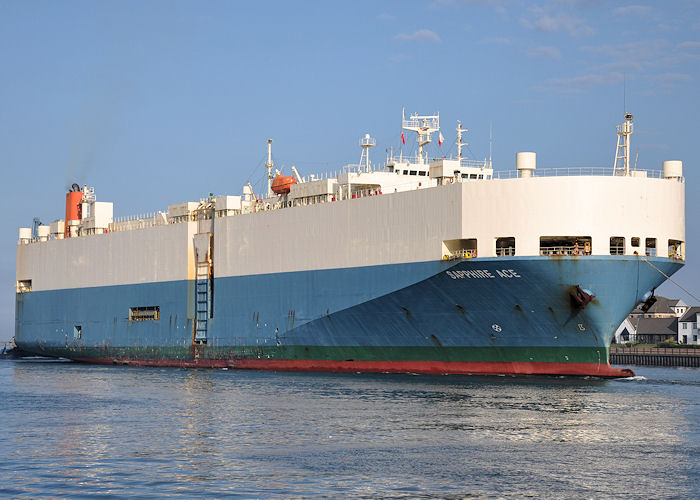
x: 422, y: 265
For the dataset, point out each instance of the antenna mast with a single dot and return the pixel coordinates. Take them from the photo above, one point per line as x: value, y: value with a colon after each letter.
x: 366, y: 142
x: 460, y: 144
x: 622, y: 152
x: 423, y: 126
x: 268, y: 165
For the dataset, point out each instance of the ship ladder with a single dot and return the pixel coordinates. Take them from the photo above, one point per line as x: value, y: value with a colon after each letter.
x: 203, y: 286
x: 201, y: 302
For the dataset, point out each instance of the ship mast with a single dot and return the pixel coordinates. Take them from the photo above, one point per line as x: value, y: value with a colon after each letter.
x: 423, y: 126
x: 460, y: 144
x: 268, y: 165
x: 622, y: 152
x: 366, y: 142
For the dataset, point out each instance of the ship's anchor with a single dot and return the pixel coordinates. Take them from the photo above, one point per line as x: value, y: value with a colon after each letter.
x: 651, y: 300
x: 580, y: 298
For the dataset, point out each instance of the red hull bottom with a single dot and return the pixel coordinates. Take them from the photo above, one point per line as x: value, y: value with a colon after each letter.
x: 426, y: 367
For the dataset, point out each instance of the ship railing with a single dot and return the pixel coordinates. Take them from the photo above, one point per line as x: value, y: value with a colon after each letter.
x: 579, y: 171
x: 475, y: 163
x: 563, y: 250
x: 464, y: 253
x: 617, y: 250
x: 505, y: 251
x: 131, y: 222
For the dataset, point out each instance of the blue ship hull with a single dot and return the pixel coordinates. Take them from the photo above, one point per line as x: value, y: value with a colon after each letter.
x: 493, y: 315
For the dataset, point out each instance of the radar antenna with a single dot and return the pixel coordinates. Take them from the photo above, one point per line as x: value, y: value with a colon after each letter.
x: 622, y: 152
x: 423, y: 126
x: 366, y: 142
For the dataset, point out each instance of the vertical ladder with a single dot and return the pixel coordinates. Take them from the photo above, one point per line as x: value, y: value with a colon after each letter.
x: 201, y: 302
x: 203, y: 286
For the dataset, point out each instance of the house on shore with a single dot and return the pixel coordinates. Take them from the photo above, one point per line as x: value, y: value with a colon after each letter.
x: 665, y: 320
x: 688, y: 326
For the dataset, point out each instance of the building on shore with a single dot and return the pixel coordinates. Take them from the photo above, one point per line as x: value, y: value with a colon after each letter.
x: 667, y: 319
x: 688, y: 326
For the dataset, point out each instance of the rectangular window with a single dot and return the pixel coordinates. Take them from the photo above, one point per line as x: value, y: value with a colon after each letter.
x: 421, y: 173
x: 462, y: 248
x: 147, y: 313
x: 412, y: 172
x: 635, y: 241
x: 405, y: 172
x: 675, y: 249
x: 472, y: 176
x: 481, y: 176
x: 565, y: 245
x: 505, y: 246
x: 617, y: 245
x: 685, y: 326
x: 650, y: 247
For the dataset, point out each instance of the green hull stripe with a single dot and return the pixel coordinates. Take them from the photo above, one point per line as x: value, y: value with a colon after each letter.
x: 346, y: 353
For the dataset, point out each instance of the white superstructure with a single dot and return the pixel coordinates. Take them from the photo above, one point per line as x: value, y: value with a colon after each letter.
x: 411, y: 210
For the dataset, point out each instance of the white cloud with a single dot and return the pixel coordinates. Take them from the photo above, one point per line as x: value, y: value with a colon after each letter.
x: 545, y: 52
x: 671, y: 79
x: 665, y: 28
x: 543, y: 19
x: 632, y: 10
x: 422, y: 35
x: 497, y: 40
x: 581, y: 83
x: 640, y: 54
x: 689, y: 45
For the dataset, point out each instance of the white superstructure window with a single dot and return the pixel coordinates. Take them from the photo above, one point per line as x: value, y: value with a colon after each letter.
x: 617, y: 245
x: 650, y: 250
x: 505, y: 246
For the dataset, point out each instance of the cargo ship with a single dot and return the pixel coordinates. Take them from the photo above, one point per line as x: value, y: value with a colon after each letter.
x: 422, y: 265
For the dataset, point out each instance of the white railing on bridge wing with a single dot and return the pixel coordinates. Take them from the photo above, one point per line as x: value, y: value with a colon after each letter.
x: 505, y: 251
x: 577, y: 171
x: 475, y: 163
x: 564, y: 250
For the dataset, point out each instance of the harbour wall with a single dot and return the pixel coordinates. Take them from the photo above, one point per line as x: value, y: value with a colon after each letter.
x: 655, y: 356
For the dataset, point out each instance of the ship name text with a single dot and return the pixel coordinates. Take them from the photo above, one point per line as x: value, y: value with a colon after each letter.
x: 483, y: 273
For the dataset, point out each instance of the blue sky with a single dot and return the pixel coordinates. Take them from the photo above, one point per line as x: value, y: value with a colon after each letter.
x: 159, y: 102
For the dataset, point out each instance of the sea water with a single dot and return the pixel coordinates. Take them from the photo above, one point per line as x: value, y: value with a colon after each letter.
x: 75, y: 430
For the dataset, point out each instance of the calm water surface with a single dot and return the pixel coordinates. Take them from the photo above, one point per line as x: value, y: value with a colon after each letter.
x: 72, y: 430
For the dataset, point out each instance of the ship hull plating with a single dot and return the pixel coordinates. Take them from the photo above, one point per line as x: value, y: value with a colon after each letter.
x: 508, y: 315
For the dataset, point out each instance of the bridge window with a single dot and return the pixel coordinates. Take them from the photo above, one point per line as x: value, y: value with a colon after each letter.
x: 617, y: 245
x: 635, y: 241
x: 462, y: 248
x: 676, y: 249
x: 565, y: 245
x: 505, y: 246
x: 650, y: 247
x: 148, y: 313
